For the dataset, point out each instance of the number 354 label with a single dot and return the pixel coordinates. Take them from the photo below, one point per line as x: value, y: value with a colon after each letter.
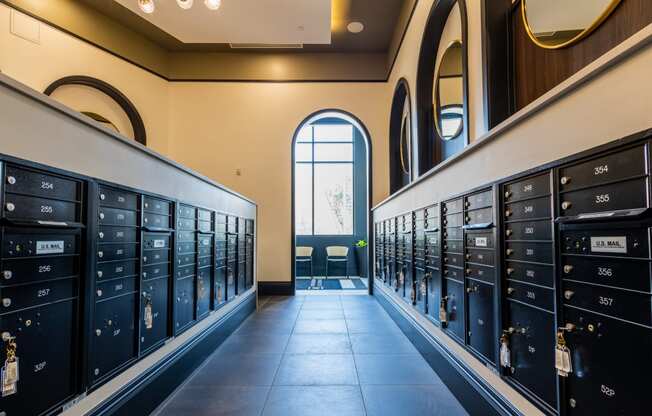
x: 609, y: 245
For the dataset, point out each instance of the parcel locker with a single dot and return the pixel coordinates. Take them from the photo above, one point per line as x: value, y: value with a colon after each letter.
x: 220, y: 286
x: 154, y: 315
x: 421, y: 278
x: 249, y: 260
x: 481, y: 327
x: 390, y: 252
x: 454, y: 309
x: 203, y: 292
x: 184, y: 303
x: 432, y: 262
x: 185, y: 281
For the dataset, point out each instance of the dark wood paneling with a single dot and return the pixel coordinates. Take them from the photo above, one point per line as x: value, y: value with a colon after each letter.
x: 538, y: 70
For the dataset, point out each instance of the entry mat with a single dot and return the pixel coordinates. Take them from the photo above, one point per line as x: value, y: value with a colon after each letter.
x: 330, y: 284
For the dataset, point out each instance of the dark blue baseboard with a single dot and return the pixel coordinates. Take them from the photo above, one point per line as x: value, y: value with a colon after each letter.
x: 471, y: 392
x: 148, y: 391
x: 275, y: 289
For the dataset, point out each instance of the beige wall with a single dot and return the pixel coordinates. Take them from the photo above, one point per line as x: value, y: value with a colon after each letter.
x: 218, y: 128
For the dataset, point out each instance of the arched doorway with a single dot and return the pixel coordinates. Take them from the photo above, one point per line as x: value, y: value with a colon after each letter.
x: 331, y: 190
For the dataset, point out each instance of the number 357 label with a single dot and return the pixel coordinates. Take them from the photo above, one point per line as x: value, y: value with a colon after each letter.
x: 609, y: 245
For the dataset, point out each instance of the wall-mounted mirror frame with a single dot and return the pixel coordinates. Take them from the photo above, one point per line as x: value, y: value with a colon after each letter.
x: 584, y: 32
x: 401, y: 166
x: 448, y: 109
x: 432, y: 150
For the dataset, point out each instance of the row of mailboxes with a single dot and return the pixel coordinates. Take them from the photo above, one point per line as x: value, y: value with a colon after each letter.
x: 95, y: 276
x: 543, y: 276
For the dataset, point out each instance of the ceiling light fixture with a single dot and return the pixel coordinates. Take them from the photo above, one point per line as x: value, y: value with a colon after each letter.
x: 184, y: 4
x: 147, y: 6
x: 355, y: 27
x: 213, y: 4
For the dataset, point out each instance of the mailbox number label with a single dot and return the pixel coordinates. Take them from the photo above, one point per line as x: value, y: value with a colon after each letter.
x: 604, y: 301
x: 605, y: 271
x: 47, y: 185
x: 49, y: 247
x: 47, y: 209
x: 602, y: 199
x: 607, y: 391
x: 600, y: 170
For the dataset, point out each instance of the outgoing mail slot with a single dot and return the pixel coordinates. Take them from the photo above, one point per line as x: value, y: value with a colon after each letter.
x: 156, y: 256
x: 155, y: 271
x: 453, y: 246
x: 529, y: 251
x: 453, y: 259
x: 184, y: 304
x: 452, y: 206
x: 480, y: 239
x: 28, y: 208
x: 538, y: 274
x: 603, y: 384
x: 154, y: 296
x: 531, y: 295
x: 618, y: 242
x: 156, y: 206
x: 613, y: 167
x: 185, y: 224
x: 114, y: 216
x: 626, y: 274
x: 617, y: 303
x: 116, y: 287
x: 479, y: 216
x: 455, y: 309
x: 116, y: 198
x: 185, y: 259
x: 40, y: 293
x: 156, y: 220
x: 32, y: 182
x: 117, y: 235
x: 479, y: 200
x: 28, y: 244
x: 111, y: 252
x: 156, y: 241
x: 484, y: 273
x: 480, y: 301
x: 186, y: 211
x: 52, y: 326
x: 19, y: 271
x: 453, y: 220
x: 480, y: 256
x: 453, y: 233
x: 529, y: 230
x: 186, y: 247
x: 185, y: 271
x: 532, y: 344
x: 528, y: 188
x: 115, y: 269
x: 619, y: 196
x: 528, y: 209
x: 113, y: 340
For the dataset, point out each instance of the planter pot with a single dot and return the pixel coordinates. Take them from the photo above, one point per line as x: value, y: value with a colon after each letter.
x: 361, y: 260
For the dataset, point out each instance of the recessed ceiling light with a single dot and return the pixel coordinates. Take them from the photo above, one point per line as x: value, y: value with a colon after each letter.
x: 355, y: 27
x: 185, y: 4
x: 147, y: 6
x: 213, y: 4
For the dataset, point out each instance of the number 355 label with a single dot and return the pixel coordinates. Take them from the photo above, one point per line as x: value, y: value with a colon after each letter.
x: 609, y: 245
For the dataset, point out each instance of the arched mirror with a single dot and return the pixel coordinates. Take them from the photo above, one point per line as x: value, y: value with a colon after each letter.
x: 554, y: 24
x: 448, y: 93
x: 400, y: 138
x: 406, y: 139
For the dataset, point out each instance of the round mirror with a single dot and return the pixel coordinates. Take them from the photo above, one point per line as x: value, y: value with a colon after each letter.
x: 554, y: 24
x: 448, y: 95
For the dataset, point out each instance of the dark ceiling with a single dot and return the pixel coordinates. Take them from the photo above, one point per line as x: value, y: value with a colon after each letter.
x: 380, y: 18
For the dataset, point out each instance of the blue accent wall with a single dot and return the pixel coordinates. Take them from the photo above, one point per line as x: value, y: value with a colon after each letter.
x: 320, y: 242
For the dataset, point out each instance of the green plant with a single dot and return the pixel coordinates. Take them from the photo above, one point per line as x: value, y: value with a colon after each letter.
x: 361, y: 243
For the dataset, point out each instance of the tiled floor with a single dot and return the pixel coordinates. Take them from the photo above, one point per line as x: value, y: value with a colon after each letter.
x: 314, y: 356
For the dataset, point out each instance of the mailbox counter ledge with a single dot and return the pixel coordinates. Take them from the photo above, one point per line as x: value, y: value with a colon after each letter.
x: 528, y: 284
x: 120, y: 269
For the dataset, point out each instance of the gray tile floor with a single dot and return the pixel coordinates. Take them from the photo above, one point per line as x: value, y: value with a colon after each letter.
x: 314, y: 356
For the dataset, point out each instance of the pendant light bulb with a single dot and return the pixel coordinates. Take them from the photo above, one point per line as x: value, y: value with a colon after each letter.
x: 147, y: 6
x: 184, y: 4
x: 213, y: 4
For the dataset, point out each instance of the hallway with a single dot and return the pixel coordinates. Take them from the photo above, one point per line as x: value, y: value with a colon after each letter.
x: 315, y: 355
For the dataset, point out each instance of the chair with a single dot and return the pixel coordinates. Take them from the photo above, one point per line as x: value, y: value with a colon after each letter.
x: 304, y: 255
x: 337, y: 254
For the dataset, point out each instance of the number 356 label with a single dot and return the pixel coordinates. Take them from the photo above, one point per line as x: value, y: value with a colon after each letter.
x: 609, y: 245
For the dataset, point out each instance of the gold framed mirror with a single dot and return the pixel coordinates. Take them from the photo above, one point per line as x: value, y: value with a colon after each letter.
x: 555, y: 24
x: 448, y: 93
x: 405, y: 144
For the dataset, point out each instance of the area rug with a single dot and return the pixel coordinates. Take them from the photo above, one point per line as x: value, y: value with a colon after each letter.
x: 330, y: 284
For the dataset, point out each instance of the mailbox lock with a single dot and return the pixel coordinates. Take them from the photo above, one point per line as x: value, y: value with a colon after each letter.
x: 10, y: 207
x: 98, y: 332
x: 100, y: 273
x: 508, y: 232
x: 468, y: 256
x: 102, y: 197
x: 572, y: 403
x: 568, y: 268
x: 101, y: 215
x: 7, y: 274
x: 510, y: 290
x: 508, y: 194
x: 28, y: 322
x: 565, y: 205
x: 509, y: 251
x: 565, y: 180
x: 100, y: 254
x: 508, y: 212
x: 11, y: 180
x: 468, y: 272
x: 101, y: 235
x: 6, y: 302
x: 568, y: 294
x: 590, y: 327
x: 99, y: 292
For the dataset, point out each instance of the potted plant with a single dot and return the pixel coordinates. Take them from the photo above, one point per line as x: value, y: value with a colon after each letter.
x: 360, y: 258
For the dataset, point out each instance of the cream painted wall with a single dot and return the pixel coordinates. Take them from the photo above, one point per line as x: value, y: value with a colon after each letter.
x: 58, y: 54
x: 220, y: 127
